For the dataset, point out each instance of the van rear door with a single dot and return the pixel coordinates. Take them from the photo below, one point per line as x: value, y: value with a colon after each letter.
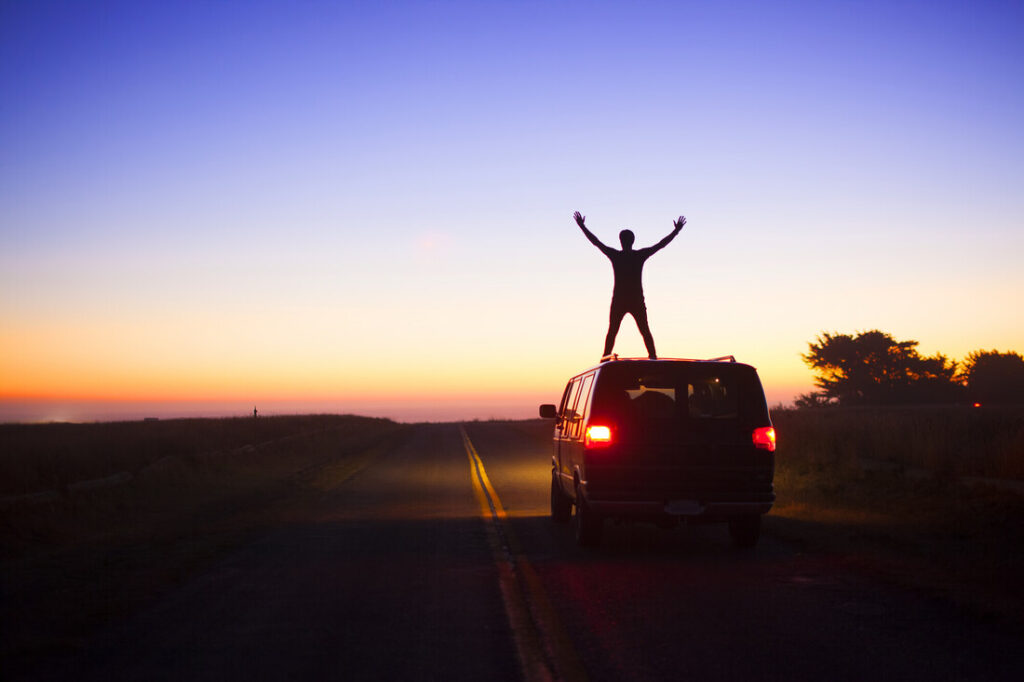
x: 679, y: 428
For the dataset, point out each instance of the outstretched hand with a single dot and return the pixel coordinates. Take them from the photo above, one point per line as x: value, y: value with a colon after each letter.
x: 678, y: 223
x: 580, y: 219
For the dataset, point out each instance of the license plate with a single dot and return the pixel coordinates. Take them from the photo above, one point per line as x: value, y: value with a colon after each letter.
x: 684, y: 507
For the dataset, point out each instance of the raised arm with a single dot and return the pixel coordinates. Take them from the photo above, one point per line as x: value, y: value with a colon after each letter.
x: 580, y: 220
x: 672, y: 235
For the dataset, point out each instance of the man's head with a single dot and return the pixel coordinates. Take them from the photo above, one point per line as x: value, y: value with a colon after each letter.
x: 626, y: 238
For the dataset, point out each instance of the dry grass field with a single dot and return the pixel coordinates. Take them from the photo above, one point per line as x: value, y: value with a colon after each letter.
x: 951, y: 441
x: 898, y: 490
x: 38, y: 457
x: 161, y: 501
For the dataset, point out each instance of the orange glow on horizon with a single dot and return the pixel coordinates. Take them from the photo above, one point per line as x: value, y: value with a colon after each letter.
x: 110, y: 361
x: 377, y: 380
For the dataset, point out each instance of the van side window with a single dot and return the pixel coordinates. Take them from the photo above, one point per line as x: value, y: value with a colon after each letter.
x: 570, y: 415
x: 584, y: 406
x: 566, y: 395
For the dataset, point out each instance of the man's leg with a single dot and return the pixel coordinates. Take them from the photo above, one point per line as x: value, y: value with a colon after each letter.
x: 614, y: 320
x: 640, y: 315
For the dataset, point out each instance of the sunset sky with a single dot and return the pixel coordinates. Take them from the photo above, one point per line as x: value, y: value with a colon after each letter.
x: 367, y: 207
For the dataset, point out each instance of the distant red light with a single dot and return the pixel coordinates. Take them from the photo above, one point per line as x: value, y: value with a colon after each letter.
x: 977, y: 404
x: 598, y: 436
x: 764, y: 438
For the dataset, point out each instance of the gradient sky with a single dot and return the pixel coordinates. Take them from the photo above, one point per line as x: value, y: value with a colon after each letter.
x: 367, y: 207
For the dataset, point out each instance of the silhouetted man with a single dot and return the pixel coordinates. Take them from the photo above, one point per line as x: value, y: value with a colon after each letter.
x: 628, y: 295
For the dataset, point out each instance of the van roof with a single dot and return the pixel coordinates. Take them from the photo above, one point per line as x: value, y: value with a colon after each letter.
x: 612, y: 359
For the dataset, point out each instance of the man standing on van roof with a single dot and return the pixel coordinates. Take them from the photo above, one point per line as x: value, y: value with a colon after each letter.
x: 628, y: 295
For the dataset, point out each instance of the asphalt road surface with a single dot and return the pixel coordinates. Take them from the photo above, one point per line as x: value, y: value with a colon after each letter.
x: 438, y: 562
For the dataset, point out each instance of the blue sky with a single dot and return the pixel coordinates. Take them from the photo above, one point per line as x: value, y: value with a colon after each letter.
x: 297, y: 191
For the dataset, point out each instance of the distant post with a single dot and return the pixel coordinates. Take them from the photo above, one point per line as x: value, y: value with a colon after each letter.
x: 255, y: 414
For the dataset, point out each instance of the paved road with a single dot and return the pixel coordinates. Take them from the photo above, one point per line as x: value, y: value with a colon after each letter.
x: 437, y: 562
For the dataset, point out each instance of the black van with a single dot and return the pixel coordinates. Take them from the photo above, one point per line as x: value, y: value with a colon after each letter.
x: 663, y: 440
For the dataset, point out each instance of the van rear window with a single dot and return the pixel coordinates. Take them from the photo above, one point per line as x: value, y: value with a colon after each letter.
x: 672, y: 391
x: 713, y: 397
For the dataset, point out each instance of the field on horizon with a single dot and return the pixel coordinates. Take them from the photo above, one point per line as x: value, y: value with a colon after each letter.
x: 57, y: 456
x: 945, y: 441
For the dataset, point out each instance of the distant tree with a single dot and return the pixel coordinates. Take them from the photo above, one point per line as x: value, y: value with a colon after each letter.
x: 994, y: 377
x: 873, y: 368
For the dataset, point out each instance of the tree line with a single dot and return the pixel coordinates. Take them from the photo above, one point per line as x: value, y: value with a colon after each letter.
x: 873, y: 368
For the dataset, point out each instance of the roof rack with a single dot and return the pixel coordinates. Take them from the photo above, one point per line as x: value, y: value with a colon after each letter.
x: 615, y: 356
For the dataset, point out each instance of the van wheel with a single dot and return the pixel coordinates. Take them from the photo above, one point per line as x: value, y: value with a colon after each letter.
x: 745, y: 530
x: 561, y: 505
x: 589, y: 525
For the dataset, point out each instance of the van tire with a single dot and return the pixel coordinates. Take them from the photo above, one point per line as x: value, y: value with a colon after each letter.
x: 745, y: 530
x: 561, y: 505
x: 589, y: 524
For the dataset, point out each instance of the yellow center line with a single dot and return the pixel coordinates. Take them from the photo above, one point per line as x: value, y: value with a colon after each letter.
x: 544, y: 648
x: 494, y: 506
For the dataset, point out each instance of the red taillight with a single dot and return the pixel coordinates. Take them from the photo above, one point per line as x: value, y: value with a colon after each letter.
x: 764, y: 438
x: 598, y: 436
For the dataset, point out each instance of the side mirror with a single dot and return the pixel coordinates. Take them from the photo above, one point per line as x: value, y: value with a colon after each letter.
x: 548, y: 411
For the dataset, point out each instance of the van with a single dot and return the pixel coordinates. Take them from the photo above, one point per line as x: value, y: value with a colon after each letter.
x: 662, y: 441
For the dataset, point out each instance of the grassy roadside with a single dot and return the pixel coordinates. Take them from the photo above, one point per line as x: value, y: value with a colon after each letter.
x: 957, y: 542
x: 913, y: 520
x: 40, y: 457
x: 73, y: 563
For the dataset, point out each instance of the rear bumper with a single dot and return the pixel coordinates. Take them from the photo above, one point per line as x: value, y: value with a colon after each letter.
x: 705, y: 505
